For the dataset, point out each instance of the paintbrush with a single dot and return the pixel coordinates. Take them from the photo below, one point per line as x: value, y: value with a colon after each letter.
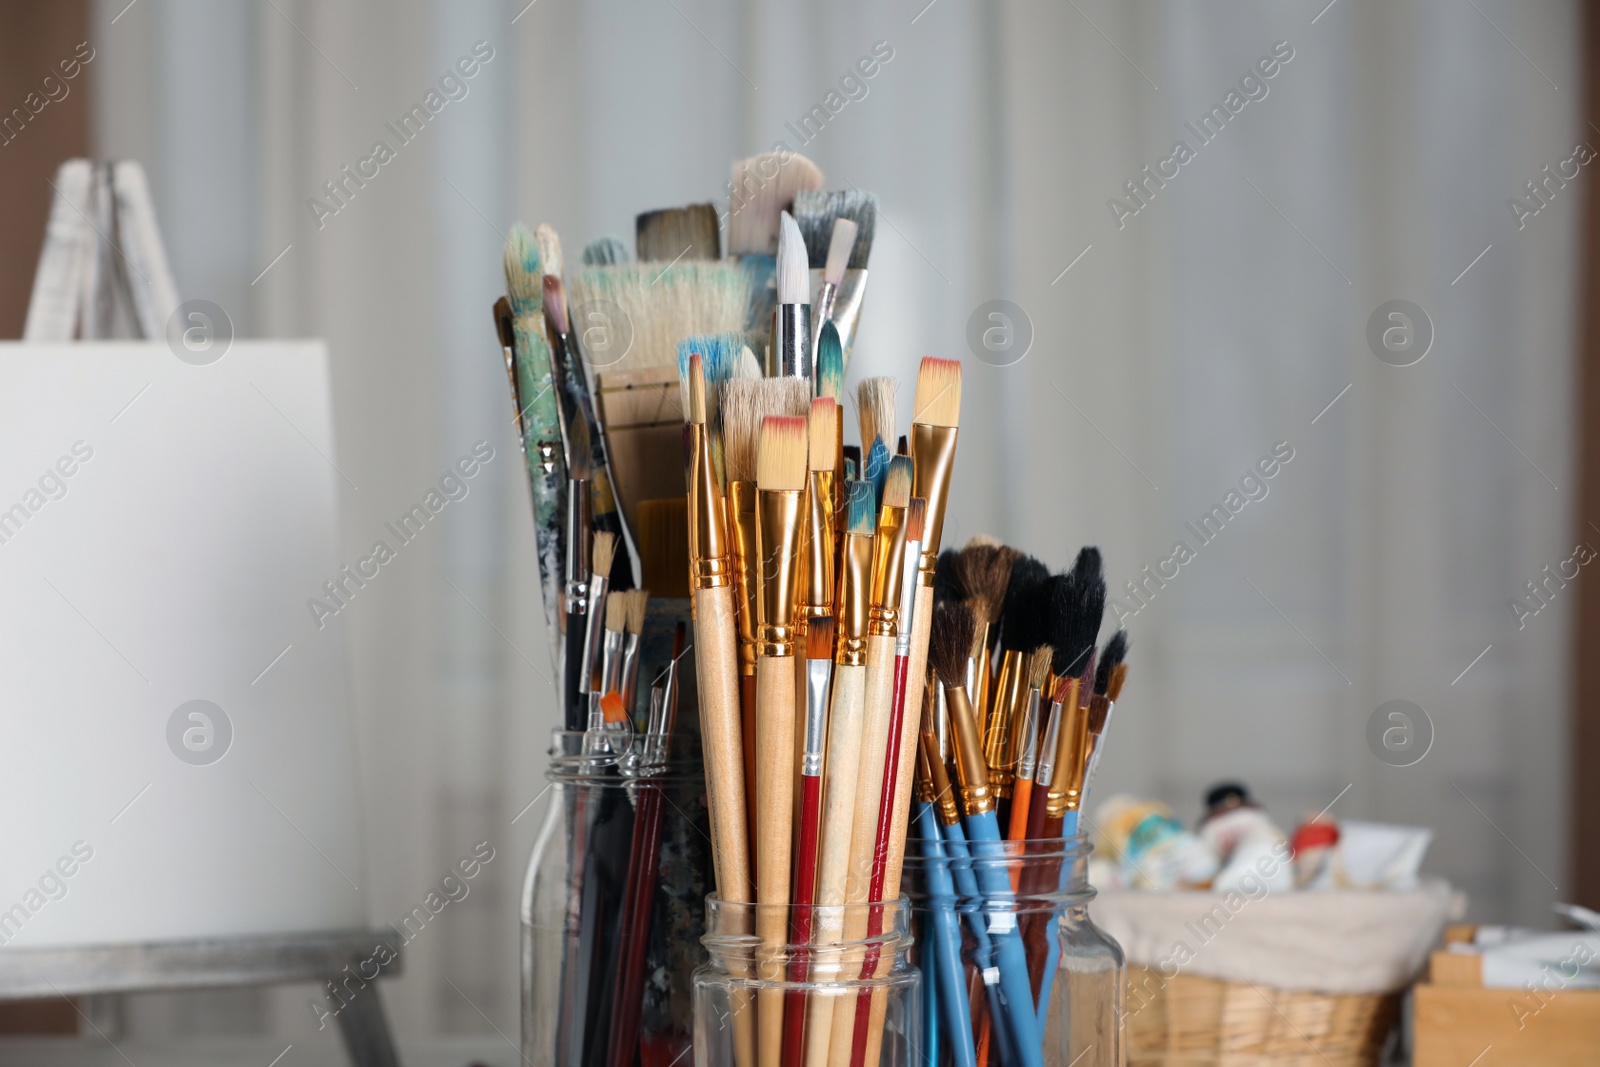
x: 592, y: 681
x: 888, y: 563
x: 636, y: 603
x: 761, y: 189
x: 713, y: 571
x: 843, y: 762
x: 605, y: 251
x: 1027, y: 745
x: 792, y: 353
x: 819, y: 215
x: 936, y: 807
x: 780, y: 500
x: 838, y: 256
x: 578, y: 531
x: 893, y: 813
x: 1020, y: 634
x: 984, y: 573
x: 539, y: 416
x: 1016, y: 1004
x: 678, y: 233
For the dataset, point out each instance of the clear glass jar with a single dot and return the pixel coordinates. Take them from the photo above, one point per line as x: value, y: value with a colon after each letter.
x: 1081, y: 1021
x: 575, y: 899
x: 748, y: 993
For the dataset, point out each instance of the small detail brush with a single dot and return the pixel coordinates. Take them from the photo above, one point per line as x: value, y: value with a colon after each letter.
x: 591, y: 682
x: 820, y: 214
x: 838, y: 257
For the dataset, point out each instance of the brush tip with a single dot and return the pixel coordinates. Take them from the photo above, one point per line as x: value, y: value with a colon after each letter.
x: 549, y: 243
x: 794, y: 285
x: 638, y: 600
x: 781, y: 455
x: 830, y: 362
x: 822, y: 434
x: 916, y: 518
x: 950, y: 642
x: 840, y: 243
x: 605, y: 550
x: 616, y: 611
x: 521, y: 263
x: 747, y: 366
x: 938, y: 400
x: 897, y: 486
x: 697, y: 390
x: 1116, y: 651
x: 861, y: 503
x: 606, y: 251
x: 555, y: 303
x: 819, y: 637
x: 612, y: 709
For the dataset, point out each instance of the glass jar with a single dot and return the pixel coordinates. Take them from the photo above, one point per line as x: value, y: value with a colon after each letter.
x: 585, y: 938
x: 1074, y: 969
x: 749, y: 994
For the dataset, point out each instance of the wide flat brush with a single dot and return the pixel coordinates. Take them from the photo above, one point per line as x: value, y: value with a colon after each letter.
x: 843, y: 763
x: 820, y: 215
x: 606, y: 251
x: 677, y: 233
x: 780, y: 495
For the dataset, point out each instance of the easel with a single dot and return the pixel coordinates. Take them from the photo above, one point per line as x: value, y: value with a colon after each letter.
x: 103, y: 273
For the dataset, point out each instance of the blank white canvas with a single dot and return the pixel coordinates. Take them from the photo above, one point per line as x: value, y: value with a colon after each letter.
x: 175, y: 566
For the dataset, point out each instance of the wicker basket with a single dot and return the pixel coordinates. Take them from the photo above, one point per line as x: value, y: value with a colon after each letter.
x: 1189, y: 1021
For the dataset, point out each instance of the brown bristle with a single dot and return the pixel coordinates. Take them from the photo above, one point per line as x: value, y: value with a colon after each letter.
x: 605, y: 550
x: 789, y: 397
x: 1099, y: 711
x: 822, y: 434
x: 1039, y: 666
x: 741, y: 428
x: 950, y: 642
x: 616, y: 611
x: 984, y: 571
x: 819, y: 637
x: 781, y: 457
x: 661, y: 530
x: 1119, y: 675
x: 697, y: 390
x: 938, y: 393
x: 875, y: 409
x: 678, y: 233
x: 637, y: 600
x: 916, y: 518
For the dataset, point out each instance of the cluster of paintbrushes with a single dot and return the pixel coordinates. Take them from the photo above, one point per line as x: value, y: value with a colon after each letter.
x: 1018, y: 726
x: 604, y: 377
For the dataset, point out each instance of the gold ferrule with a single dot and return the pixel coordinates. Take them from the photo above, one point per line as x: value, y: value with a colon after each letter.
x: 710, y: 553
x: 888, y: 563
x: 1066, y: 783
x: 740, y: 506
x: 976, y: 796
x: 924, y: 779
x: 855, y: 602
x: 816, y: 597
x: 933, y: 452
x: 998, y: 746
x: 938, y: 773
x: 982, y: 679
x: 778, y: 523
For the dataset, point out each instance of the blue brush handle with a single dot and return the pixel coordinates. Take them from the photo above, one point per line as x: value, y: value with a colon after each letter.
x: 955, y: 843
x: 948, y: 989
x: 1016, y: 992
x: 1052, y: 939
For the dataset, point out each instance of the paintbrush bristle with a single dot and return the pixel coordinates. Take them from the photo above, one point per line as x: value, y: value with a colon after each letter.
x: 839, y: 246
x: 555, y: 303
x: 1022, y: 621
x: 947, y: 576
x: 717, y: 350
x: 616, y: 611
x: 861, y: 508
x: 646, y: 309
x: 1077, y: 603
x: 819, y: 637
x: 678, y: 233
x: 1099, y: 712
x: 1039, y: 666
x: 983, y: 573
x: 741, y: 428
x: 877, y: 465
x: 521, y: 262
x: 897, y: 486
x: 875, y: 409
x: 696, y: 408
x: 982, y: 539
x: 916, y: 518
x: 1119, y: 677
x: 1116, y: 651
x: 606, y: 251
x: 794, y: 280
x: 938, y: 393
x: 950, y: 642
x: 605, y: 550
x: 761, y: 187
x: 818, y: 211
x: 790, y: 397
x: 503, y: 324
x: 781, y: 457
x: 549, y: 249
x: 822, y: 434
x: 747, y: 365
x: 635, y: 604
x: 830, y: 362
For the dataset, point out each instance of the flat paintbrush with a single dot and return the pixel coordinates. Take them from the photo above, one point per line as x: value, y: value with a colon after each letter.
x: 761, y: 189
x: 820, y: 214
x: 677, y: 233
x: 838, y: 257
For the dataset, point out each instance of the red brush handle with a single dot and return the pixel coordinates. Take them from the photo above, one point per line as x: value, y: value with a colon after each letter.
x: 880, y: 858
x: 644, y: 858
x: 1038, y: 879
x: 800, y: 917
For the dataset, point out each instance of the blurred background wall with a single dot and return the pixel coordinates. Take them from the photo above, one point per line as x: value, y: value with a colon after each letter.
x: 1178, y: 329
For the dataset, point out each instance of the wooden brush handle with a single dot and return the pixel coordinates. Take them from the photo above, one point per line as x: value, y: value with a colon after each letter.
x: 833, y: 855
x: 721, y: 728
x: 775, y: 775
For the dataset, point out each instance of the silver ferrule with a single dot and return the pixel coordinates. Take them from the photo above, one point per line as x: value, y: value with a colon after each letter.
x: 1047, y: 747
x: 791, y: 345
x: 630, y: 670
x: 941, y: 723
x: 1028, y: 758
x: 655, y: 732
x: 611, y: 661
x: 845, y: 308
x: 1099, y: 747
x: 908, y: 599
x: 550, y: 456
x: 818, y: 673
x: 591, y: 680
x: 577, y: 561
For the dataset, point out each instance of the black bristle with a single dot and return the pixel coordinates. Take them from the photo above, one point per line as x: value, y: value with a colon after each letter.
x: 946, y: 577
x: 1079, y: 624
x: 951, y: 641
x: 1116, y: 651
x: 1022, y: 626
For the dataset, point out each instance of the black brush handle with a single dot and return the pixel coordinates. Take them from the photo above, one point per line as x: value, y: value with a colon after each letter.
x: 575, y: 703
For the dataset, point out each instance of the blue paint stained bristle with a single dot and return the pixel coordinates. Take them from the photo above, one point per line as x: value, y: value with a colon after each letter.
x: 877, y: 465
x: 830, y: 362
x: 861, y: 508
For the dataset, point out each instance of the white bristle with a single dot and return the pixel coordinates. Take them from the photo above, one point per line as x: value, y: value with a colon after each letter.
x: 794, y: 286
x: 550, y: 259
x: 839, y: 246
x: 747, y: 365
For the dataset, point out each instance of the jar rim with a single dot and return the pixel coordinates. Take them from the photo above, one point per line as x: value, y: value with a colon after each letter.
x: 1064, y: 858
x: 731, y: 936
x: 570, y: 764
